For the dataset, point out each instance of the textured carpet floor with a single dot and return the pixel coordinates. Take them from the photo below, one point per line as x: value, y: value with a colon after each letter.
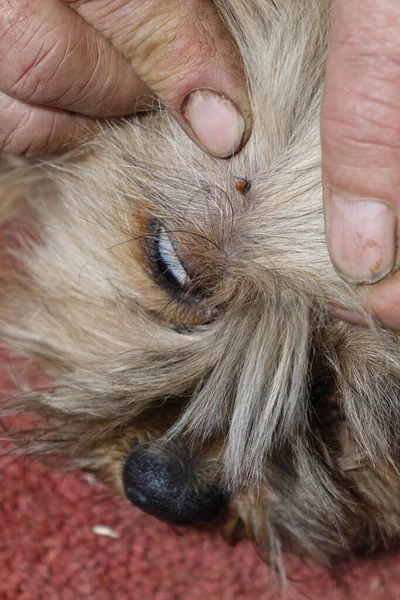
x: 52, y: 548
x: 63, y: 537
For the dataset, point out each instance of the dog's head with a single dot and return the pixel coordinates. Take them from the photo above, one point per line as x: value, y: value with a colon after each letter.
x: 178, y: 306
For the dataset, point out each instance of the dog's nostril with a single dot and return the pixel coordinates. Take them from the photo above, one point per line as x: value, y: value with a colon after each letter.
x: 165, y: 486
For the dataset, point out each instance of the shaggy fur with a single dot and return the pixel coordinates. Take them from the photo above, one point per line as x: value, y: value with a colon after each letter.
x: 294, y: 416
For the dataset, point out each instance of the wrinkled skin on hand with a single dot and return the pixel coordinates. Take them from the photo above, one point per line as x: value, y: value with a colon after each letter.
x: 360, y: 130
x: 66, y: 63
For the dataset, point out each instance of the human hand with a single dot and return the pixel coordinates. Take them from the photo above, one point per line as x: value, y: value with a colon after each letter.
x: 64, y: 63
x: 360, y: 132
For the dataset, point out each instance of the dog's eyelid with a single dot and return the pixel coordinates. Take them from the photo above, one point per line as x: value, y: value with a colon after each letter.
x: 169, y: 257
x: 168, y: 267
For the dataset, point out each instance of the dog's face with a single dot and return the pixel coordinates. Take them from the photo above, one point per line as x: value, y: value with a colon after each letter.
x: 178, y: 307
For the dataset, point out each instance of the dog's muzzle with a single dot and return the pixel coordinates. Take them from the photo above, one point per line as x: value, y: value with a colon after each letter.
x: 169, y: 487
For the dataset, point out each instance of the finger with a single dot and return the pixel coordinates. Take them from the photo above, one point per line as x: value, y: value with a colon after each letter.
x: 50, y: 56
x: 349, y: 316
x: 185, y: 54
x: 360, y: 130
x: 39, y: 130
x: 383, y: 301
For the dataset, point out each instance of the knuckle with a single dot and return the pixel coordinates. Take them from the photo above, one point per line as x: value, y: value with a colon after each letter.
x: 16, y: 22
x: 372, y: 53
x: 37, y: 76
x: 14, y: 13
x: 153, y: 50
x: 146, y: 34
x: 360, y: 136
x: 168, y: 50
x: 18, y: 51
x: 362, y: 163
x: 13, y: 139
x: 24, y: 133
x: 349, y: 139
x: 363, y: 125
x: 178, y: 64
x: 361, y: 107
x: 36, y: 54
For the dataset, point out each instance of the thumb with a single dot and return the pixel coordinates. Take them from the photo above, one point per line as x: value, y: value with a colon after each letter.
x: 360, y: 134
x: 184, y: 53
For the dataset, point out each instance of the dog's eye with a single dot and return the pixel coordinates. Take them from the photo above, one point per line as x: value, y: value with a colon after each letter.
x: 166, y: 260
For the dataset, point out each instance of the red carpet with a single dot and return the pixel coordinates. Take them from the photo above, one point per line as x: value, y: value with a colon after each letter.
x: 53, y: 547
x: 49, y: 551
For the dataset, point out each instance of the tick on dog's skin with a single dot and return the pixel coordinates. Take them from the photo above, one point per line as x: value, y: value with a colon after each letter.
x: 243, y: 186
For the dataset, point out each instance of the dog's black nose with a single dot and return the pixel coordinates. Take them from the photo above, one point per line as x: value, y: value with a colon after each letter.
x: 168, y: 487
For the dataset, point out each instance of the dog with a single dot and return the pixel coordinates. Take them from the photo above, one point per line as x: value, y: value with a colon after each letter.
x: 177, y: 306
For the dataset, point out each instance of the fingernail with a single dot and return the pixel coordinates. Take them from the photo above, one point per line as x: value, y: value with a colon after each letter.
x: 361, y: 238
x: 215, y: 121
x: 349, y: 316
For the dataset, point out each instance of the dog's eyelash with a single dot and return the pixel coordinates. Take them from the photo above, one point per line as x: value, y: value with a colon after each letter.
x: 167, y: 262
